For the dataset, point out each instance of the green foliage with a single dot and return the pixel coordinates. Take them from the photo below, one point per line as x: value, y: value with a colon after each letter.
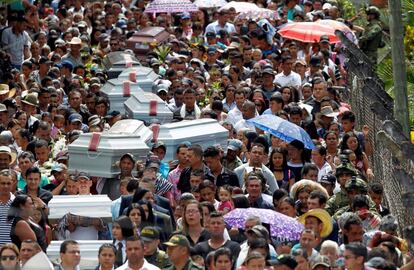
x: 348, y: 8
x: 162, y: 52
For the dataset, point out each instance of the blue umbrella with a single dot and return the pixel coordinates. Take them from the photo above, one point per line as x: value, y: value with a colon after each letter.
x: 283, y: 129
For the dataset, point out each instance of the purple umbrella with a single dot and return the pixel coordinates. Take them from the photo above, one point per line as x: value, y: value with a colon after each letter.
x: 281, y: 226
x: 170, y: 6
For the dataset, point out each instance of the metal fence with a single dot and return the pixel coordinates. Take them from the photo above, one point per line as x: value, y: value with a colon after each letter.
x: 392, y: 160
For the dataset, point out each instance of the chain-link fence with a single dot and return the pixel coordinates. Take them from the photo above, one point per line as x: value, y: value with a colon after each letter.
x: 393, y: 156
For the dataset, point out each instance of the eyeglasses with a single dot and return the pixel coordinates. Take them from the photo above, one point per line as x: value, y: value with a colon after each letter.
x: 11, y: 257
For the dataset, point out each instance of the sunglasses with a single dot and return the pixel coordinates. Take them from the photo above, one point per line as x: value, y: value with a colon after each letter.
x: 11, y: 257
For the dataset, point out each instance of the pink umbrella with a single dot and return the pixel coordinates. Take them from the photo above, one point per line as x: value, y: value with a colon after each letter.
x: 240, y: 6
x: 170, y: 6
x: 261, y: 13
x: 308, y: 32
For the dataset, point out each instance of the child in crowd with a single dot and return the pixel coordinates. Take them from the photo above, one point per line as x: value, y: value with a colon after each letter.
x: 224, y: 195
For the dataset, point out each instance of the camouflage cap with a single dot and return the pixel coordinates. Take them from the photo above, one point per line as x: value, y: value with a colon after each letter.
x: 178, y: 240
x: 345, y: 168
x: 373, y: 10
x: 357, y: 184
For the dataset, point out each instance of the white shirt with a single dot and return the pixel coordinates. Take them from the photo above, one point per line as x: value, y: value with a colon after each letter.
x: 326, y: 168
x: 234, y: 116
x: 123, y: 248
x: 244, y: 248
x: 243, y: 124
x: 145, y: 266
x: 215, y: 28
x: 293, y: 79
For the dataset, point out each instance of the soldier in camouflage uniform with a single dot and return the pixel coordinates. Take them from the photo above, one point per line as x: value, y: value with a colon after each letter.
x: 155, y: 256
x: 344, y: 172
x: 354, y: 186
x: 371, y: 38
x: 178, y: 250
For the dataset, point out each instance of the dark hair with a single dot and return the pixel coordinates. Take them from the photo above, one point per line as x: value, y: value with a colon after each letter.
x: 360, y: 201
x: 376, y: 187
x: 223, y: 251
x: 207, y: 184
x: 197, y: 150
x: 25, y: 134
x: 127, y: 227
x: 41, y: 143
x: 308, y: 167
x: 352, y: 220
x: 106, y: 245
x: 33, y: 170
x: 209, y: 206
x: 317, y: 194
x: 278, y: 150
x: 134, y: 238
x: 358, y: 249
x: 182, y: 145
x: 358, y: 152
x: 211, y: 151
x: 139, y: 194
x: 240, y: 201
x: 15, y: 207
x: 26, y: 154
x: 348, y: 115
x: 141, y: 211
x: 65, y: 244
x: 260, y: 243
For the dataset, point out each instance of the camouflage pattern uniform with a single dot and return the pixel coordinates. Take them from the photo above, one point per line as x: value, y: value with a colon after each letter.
x: 340, y: 199
x: 361, y: 187
x: 371, y: 38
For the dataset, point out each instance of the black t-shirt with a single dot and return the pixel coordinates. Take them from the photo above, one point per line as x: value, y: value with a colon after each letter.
x: 203, y: 249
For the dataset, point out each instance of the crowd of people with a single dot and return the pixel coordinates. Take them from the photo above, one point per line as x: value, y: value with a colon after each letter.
x: 171, y: 214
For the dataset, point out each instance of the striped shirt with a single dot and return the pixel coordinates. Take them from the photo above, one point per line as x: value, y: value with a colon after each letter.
x: 5, y: 225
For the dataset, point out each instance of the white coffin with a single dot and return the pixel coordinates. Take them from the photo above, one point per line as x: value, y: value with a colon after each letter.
x: 88, y: 249
x: 126, y: 136
x: 138, y: 106
x: 117, y: 91
x: 80, y: 205
x: 145, y: 77
x: 205, y: 132
x: 116, y: 62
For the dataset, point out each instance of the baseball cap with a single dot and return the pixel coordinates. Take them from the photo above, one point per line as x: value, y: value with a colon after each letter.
x: 83, y: 175
x: 234, y: 145
x: 315, y: 61
x: 112, y: 114
x: 159, y: 144
x: 58, y: 168
x: 260, y: 231
x: 185, y: 16
x: 75, y: 117
x: 210, y: 34
x: 268, y: 71
x: 324, y: 38
x: 128, y: 155
x: 320, y: 260
x: 178, y: 240
x: 149, y: 234
x: 66, y: 64
x: 3, y: 108
x: 211, y: 50
x: 62, y: 155
x: 95, y: 81
x: 286, y: 260
x: 328, y: 179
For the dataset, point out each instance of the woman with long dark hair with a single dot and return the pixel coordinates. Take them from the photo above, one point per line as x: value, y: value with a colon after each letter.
x: 23, y: 228
x: 278, y: 165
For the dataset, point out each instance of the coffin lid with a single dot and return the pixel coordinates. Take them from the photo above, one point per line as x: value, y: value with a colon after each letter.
x: 119, y: 59
x: 145, y: 77
x: 115, y: 87
x: 80, y: 205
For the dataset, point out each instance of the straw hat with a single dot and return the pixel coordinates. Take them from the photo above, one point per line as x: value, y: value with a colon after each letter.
x: 75, y: 41
x: 31, y: 99
x: 5, y: 89
x: 323, y: 216
x: 8, y: 151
